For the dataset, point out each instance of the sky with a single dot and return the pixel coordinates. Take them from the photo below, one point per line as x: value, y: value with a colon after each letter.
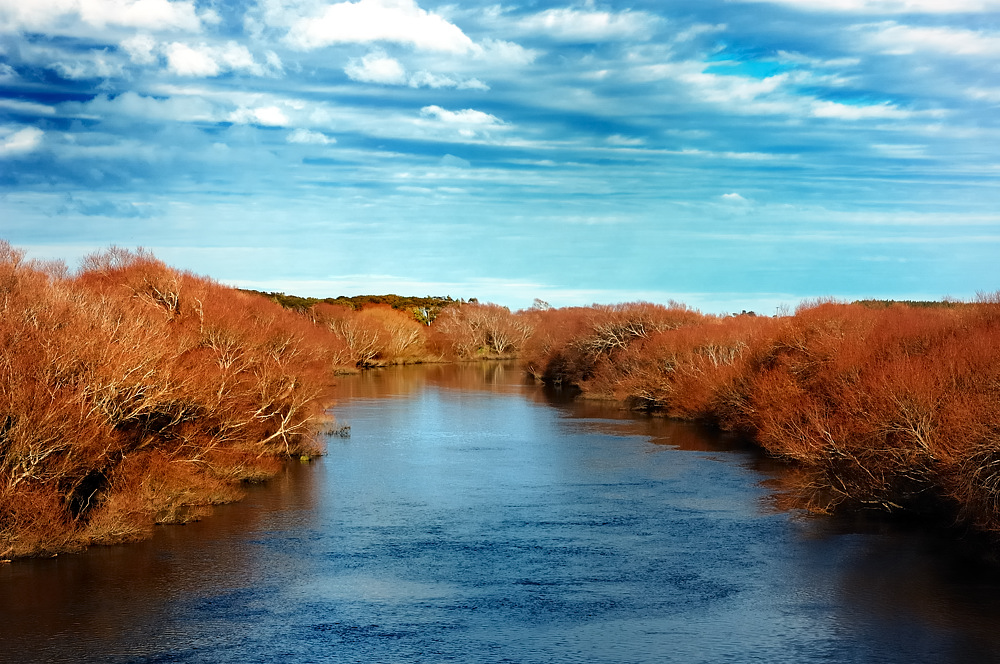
x: 728, y: 154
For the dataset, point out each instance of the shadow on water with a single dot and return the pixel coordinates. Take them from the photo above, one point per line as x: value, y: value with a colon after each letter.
x: 474, y: 516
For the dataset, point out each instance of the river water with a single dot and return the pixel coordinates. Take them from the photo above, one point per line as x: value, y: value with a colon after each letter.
x: 472, y: 517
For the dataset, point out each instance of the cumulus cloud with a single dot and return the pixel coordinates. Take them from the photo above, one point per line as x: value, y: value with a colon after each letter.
x: 264, y: 116
x: 502, y: 52
x: 734, y: 199
x: 14, y: 142
x: 466, y: 116
x: 468, y: 122
x: 581, y: 25
x: 184, y: 60
x: 308, y: 137
x: 425, y: 79
x: 70, y: 16
x: 368, y: 21
x: 140, y: 49
x: 377, y: 67
x: 208, y: 60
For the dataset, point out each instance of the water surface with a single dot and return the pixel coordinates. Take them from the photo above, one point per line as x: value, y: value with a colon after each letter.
x: 471, y: 517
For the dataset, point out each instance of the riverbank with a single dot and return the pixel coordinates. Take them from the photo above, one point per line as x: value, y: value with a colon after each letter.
x: 890, y: 407
x: 133, y: 394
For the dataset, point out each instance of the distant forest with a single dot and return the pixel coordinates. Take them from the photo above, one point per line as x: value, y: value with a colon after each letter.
x: 424, y: 309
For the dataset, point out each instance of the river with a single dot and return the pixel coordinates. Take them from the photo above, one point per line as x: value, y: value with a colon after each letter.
x: 472, y: 517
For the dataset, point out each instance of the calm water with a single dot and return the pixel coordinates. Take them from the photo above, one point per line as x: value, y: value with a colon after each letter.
x: 472, y: 518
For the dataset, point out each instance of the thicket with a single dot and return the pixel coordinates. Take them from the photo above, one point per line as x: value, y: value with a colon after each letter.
x: 895, y: 406
x: 133, y: 394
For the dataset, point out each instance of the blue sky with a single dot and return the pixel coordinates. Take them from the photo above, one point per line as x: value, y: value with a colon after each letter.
x: 728, y: 154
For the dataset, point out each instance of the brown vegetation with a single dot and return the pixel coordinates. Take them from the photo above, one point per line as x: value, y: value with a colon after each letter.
x: 468, y: 331
x: 134, y: 394
x: 893, y: 406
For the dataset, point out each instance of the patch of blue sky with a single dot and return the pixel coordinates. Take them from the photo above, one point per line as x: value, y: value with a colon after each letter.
x: 627, y: 155
x: 759, y: 69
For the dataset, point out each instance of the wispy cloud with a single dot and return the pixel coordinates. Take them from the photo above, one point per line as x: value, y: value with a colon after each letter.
x: 606, y: 148
x: 568, y: 24
x: 14, y: 142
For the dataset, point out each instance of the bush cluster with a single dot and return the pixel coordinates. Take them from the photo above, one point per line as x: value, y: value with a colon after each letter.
x: 134, y: 394
x: 893, y: 406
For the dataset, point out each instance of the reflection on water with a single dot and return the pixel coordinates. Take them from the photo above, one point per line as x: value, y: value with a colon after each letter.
x: 475, y: 517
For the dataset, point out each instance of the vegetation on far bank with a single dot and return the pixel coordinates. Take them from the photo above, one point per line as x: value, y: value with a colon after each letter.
x: 133, y: 394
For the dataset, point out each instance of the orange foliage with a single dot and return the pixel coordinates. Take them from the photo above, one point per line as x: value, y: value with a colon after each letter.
x: 479, y: 331
x: 133, y: 393
x: 892, y: 407
x: 376, y: 335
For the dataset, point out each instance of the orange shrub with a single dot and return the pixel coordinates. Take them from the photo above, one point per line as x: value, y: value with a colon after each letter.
x: 132, y: 371
x: 485, y: 331
x: 891, y: 407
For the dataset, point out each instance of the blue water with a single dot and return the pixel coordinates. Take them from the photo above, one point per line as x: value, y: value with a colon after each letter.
x: 473, y: 518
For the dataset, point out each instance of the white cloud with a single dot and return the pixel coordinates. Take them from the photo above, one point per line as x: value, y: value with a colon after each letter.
x: 368, y: 21
x: 186, y: 61
x: 7, y: 73
x: 308, y: 137
x: 376, y: 67
x: 140, y: 48
x: 206, y: 60
x: 892, y: 6
x: 69, y: 16
x: 425, y: 79
x: 265, y: 116
x: 830, y: 109
x: 21, y: 141
x: 895, y: 39
x: 466, y: 116
x: 468, y: 122
x: 502, y: 52
x: 734, y: 198
x: 27, y: 107
x: 576, y: 25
